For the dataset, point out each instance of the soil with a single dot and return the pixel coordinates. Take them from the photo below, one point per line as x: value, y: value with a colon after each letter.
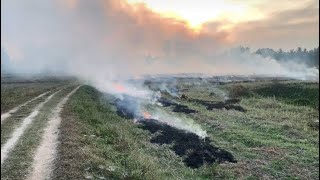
x: 194, y: 150
x: 45, y: 154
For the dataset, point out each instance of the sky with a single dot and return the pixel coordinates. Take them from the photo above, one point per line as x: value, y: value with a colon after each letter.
x: 257, y: 23
x: 116, y: 37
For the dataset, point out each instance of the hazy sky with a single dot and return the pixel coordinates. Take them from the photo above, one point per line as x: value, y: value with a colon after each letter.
x: 152, y: 35
x: 256, y: 23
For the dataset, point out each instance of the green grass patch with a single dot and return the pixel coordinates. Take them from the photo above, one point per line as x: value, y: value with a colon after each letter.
x: 291, y: 92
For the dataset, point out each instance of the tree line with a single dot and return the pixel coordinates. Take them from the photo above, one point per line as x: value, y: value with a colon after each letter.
x: 309, y: 57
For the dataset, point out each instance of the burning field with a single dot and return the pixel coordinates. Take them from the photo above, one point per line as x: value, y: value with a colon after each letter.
x: 190, y: 128
x: 194, y: 149
x: 140, y: 89
x: 175, y: 115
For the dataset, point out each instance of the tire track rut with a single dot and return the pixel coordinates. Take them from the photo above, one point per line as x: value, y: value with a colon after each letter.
x: 18, y: 132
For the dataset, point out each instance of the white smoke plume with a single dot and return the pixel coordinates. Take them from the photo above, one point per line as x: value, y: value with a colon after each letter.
x: 104, y: 42
x: 178, y: 122
x: 111, y: 39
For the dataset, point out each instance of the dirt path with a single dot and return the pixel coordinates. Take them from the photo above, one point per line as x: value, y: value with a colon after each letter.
x: 18, y: 132
x: 4, y: 116
x: 46, y: 151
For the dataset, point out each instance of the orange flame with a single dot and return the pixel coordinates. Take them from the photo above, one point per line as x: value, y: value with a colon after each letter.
x: 146, y: 115
x: 119, y: 87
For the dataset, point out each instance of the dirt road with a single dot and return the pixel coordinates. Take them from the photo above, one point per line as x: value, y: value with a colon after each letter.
x: 29, y: 134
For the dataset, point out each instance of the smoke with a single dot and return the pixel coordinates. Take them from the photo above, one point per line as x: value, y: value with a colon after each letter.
x: 105, y: 42
x: 138, y: 107
x: 178, y: 122
x: 220, y: 93
x: 169, y: 87
x: 108, y: 40
x: 113, y: 40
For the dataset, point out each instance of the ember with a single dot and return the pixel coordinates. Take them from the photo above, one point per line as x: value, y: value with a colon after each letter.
x: 119, y: 88
x: 146, y: 115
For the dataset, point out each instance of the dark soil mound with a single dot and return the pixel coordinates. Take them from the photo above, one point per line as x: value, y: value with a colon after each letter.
x: 195, y: 151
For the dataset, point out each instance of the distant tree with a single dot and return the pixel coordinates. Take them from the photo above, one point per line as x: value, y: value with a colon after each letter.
x: 244, y: 49
x: 311, y: 57
x: 279, y: 54
x: 299, y: 49
x: 266, y: 52
x: 259, y: 51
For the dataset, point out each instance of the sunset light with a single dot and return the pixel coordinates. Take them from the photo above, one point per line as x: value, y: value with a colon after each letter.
x: 188, y: 11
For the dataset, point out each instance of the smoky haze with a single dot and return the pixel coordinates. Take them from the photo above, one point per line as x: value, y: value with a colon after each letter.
x: 111, y: 40
x: 104, y: 42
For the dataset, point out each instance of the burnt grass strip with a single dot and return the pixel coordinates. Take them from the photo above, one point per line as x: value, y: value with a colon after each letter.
x: 228, y: 104
x: 183, y: 109
x: 210, y: 105
x: 167, y: 102
x: 195, y: 151
x: 127, y: 107
x: 177, y: 107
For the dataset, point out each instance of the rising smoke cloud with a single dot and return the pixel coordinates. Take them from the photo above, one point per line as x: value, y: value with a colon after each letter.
x: 104, y: 42
x: 112, y: 40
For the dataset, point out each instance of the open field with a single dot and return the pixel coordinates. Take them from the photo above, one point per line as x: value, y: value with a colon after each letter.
x: 261, y: 129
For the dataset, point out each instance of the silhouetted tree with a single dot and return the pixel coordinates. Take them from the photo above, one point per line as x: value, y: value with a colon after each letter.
x: 311, y: 57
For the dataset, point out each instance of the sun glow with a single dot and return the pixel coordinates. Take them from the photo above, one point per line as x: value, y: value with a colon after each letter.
x: 196, y: 13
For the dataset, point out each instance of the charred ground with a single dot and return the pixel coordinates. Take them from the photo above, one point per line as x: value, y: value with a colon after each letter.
x: 194, y: 150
